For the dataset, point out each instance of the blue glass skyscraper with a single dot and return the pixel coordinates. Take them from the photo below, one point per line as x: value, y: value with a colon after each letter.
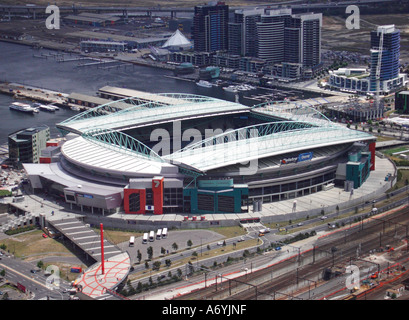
x: 210, y: 27
x: 390, y: 56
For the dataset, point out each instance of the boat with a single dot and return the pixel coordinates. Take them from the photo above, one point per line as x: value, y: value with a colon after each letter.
x: 43, y: 107
x: 53, y: 106
x: 203, y: 83
x: 23, y: 107
x: 230, y: 89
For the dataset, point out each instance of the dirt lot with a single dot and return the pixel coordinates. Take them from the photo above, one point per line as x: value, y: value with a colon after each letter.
x: 336, y: 36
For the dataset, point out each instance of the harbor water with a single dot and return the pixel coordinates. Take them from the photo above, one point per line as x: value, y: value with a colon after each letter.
x: 21, y: 64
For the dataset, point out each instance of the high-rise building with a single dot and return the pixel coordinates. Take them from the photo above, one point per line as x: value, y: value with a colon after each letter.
x: 278, y: 37
x: 362, y: 81
x: 303, y: 39
x: 242, y: 32
x: 390, y: 57
x: 210, y: 27
x: 271, y: 37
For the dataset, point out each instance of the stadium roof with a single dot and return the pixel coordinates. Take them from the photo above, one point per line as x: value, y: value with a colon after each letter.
x: 260, y: 141
x: 103, y: 144
x: 147, y: 110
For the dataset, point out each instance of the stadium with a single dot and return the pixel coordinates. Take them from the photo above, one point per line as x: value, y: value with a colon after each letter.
x: 184, y: 153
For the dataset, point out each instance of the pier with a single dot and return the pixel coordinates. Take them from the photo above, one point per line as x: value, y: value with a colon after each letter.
x: 32, y: 93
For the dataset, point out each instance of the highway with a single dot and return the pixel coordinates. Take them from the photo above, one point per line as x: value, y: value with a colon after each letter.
x: 163, y: 9
x: 41, y: 286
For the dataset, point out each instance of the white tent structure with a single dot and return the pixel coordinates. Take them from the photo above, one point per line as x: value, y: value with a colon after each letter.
x: 177, y: 42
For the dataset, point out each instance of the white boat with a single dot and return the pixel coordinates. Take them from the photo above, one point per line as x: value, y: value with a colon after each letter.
x: 230, y: 89
x: 43, y: 107
x: 53, y: 106
x: 23, y: 107
x: 203, y: 83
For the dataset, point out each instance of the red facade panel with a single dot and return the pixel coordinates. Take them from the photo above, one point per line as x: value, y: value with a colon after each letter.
x: 45, y: 160
x: 142, y: 200
x: 157, y: 189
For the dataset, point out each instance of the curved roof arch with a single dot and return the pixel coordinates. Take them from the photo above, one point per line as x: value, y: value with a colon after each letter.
x: 164, y: 107
x: 260, y: 141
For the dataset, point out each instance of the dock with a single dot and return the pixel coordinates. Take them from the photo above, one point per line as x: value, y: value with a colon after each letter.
x: 33, y: 93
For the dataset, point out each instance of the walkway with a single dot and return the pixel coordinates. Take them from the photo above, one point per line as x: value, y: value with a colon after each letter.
x: 84, y: 237
x: 98, y: 285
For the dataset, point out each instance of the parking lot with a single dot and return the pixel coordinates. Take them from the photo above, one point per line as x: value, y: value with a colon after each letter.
x: 179, y: 237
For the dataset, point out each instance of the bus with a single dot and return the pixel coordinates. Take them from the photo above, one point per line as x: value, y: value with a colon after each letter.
x: 159, y: 234
x: 164, y: 233
x: 131, y: 241
x: 151, y: 236
x: 145, y: 238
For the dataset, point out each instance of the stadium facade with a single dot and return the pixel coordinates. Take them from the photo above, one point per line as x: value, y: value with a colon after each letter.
x: 182, y: 153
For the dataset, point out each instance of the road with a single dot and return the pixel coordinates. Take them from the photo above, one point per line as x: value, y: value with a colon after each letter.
x: 18, y: 271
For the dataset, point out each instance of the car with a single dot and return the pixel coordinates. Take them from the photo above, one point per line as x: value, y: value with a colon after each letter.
x: 277, y: 248
x: 44, y: 235
x: 324, y: 217
x: 300, y: 224
x: 241, y: 239
x: 34, y: 271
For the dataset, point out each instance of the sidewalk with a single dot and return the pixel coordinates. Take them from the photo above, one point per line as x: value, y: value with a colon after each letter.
x: 95, y: 284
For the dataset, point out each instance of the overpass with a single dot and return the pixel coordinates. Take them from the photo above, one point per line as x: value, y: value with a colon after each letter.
x: 39, y: 10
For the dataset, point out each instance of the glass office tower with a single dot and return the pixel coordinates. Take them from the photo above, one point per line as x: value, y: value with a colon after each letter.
x: 390, y: 56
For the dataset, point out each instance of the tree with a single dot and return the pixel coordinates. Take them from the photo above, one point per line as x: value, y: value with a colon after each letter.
x: 179, y: 272
x: 189, y: 243
x: 139, y: 256
x: 40, y: 264
x: 156, y: 265
x: 175, y: 246
x: 150, y: 252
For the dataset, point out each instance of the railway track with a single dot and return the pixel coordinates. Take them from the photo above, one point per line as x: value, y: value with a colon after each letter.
x: 280, y: 280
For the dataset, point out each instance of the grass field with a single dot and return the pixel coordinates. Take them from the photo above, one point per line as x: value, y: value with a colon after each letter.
x: 32, y: 245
